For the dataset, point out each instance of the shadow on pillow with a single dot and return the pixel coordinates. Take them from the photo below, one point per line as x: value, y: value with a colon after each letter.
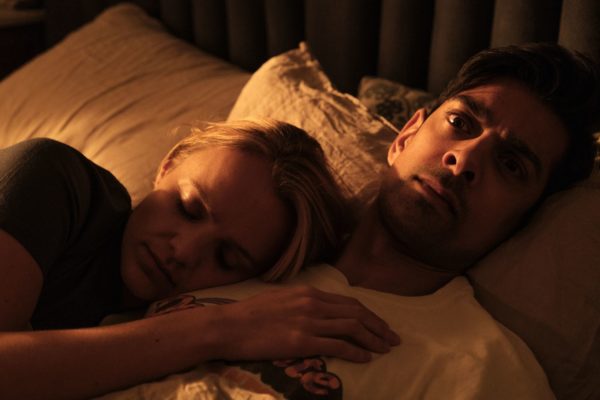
x: 392, y: 100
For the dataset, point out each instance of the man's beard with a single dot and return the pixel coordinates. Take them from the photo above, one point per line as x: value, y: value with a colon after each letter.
x: 419, y: 229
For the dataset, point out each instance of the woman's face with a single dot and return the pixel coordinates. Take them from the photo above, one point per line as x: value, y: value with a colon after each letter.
x: 211, y: 220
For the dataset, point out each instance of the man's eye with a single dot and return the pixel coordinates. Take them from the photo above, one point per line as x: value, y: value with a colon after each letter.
x: 457, y: 122
x: 512, y: 165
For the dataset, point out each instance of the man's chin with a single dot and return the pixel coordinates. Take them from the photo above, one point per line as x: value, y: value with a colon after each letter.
x: 421, y: 235
x: 447, y: 263
x: 411, y: 220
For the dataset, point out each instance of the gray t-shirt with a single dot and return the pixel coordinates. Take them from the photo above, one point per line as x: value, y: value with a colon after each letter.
x: 69, y: 214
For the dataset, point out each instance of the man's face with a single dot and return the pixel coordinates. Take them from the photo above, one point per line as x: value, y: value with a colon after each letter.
x: 211, y: 220
x: 462, y: 179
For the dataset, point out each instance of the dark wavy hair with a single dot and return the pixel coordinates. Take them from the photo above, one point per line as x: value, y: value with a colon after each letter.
x: 567, y: 82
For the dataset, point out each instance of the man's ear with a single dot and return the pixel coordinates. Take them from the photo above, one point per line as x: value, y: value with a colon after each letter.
x: 405, y: 135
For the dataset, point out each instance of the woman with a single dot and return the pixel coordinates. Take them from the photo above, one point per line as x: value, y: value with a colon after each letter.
x: 230, y: 202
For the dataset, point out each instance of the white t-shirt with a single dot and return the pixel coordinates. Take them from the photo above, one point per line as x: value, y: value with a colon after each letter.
x: 451, y: 349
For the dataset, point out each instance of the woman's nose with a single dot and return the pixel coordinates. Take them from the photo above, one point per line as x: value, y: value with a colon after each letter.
x: 194, y: 245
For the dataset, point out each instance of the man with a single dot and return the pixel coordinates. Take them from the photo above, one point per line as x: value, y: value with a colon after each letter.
x: 513, y: 127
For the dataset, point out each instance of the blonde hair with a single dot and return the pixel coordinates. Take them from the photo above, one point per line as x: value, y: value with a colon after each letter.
x: 301, y: 176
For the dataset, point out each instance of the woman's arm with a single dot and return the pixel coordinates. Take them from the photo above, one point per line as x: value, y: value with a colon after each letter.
x: 86, y: 362
x: 81, y: 363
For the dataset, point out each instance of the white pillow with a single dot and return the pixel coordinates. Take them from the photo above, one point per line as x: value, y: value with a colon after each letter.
x: 114, y: 89
x: 543, y: 283
x: 292, y: 87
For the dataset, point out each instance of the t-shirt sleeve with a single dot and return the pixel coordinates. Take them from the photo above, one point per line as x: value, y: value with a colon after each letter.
x: 47, y: 192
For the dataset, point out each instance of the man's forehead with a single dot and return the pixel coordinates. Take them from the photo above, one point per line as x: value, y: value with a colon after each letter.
x: 486, y: 97
x: 476, y: 106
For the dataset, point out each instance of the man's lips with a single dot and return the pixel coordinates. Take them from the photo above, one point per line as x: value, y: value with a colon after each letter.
x: 437, y: 190
x: 159, y: 265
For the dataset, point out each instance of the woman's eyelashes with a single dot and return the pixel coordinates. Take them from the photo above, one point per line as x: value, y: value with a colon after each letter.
x: 190, y: 201
x: 190, y: 209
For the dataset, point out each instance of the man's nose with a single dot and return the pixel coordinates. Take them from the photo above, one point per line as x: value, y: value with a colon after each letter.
x: 467, y: 158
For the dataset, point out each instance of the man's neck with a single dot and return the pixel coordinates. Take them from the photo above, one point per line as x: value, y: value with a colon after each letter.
x: 373, y: 260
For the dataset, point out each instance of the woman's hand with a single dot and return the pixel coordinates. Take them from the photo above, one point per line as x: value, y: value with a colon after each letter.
x: 300, y: 322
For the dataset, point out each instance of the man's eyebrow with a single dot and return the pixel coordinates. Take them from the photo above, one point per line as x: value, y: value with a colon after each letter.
x: 514, y: 142
x: 478, y: 109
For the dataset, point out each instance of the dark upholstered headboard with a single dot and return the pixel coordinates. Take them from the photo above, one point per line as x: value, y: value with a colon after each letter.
x: 421, y: 43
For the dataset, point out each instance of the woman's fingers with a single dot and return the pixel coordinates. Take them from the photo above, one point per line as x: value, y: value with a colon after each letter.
x: 303, y: 321
x: 360, y: 314
x: 352, y: 331
x: 334, y: 307
x: 342, y: 349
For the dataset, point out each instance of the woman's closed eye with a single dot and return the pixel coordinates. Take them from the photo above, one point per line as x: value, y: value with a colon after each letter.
x: 191, y: 202
x: 190, y: 210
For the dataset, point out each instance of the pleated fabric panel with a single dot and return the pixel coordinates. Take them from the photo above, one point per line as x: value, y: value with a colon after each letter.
x: 247, y: 33
x: 460, y: 29
x: 421, y: 43
x: 580, y: 26
x: 210, y: 26
x: 285, y: 25
x: 518, y: 21
x: 177, y: 17
x: 405, y: 41
x: 344, y: 37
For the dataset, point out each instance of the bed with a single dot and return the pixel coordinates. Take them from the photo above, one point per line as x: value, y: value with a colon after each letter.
x: 120, y: 82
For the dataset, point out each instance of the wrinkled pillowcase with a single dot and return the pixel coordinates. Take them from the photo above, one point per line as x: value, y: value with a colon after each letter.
x: 292, y: 87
